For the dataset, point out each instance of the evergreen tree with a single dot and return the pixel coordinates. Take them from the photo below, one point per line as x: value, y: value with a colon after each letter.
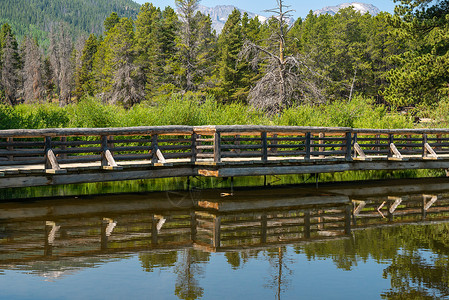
x: 84, y: 77
x: 148, y: 41
x: 230, y: 66
x: 169, y: 30
x: 121, y: 81
x: 195, y: 45
x: 111, y: 21
x: 422, y: 74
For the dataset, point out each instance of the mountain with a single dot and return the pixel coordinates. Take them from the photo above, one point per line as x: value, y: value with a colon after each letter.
x: 220, y: 13
x: 363, y: 8
x: 36, y: 17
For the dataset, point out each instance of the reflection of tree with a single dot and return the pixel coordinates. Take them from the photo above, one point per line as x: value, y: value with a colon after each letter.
x: 188, y: 269
x: 414, y: 274
x: 279, y: 276
x: 238, y: 259
x: 157, y: 260
x: 414, y: 277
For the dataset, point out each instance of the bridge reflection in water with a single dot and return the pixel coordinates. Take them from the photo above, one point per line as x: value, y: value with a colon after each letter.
x: 53, y: 238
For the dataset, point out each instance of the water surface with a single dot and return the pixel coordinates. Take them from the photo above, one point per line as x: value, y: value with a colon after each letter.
x: 337, y: 242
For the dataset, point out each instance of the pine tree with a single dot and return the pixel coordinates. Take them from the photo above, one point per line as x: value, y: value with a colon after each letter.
x: 195, y: 43
x: 169, y: 30
x: 230, y: 66
x: 422, y: 74
x: 84, y: 77
x: 111, y: 21
x: 148, y: 45
x: 123, y: 83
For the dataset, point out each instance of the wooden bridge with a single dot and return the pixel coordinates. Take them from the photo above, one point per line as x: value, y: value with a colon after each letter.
x: 79, y: 155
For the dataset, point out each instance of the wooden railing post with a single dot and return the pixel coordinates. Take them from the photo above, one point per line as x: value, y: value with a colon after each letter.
x: 348, y: 146
x: 263, y: 136
x: 10, y: 148
x: 355, y: 142
x: 64, y: 147
x: 217, y: 147
x: 322, y: 135
x: 424, y: 142
x: 307, y: 145
x: 104, y: 148
x: 391, y: 142
x: 194, y: 149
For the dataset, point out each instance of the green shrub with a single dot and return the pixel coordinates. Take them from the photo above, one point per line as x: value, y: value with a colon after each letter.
x: 91, y: 113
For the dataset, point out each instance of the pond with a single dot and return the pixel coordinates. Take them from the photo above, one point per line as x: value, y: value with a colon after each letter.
x: 370, y: 240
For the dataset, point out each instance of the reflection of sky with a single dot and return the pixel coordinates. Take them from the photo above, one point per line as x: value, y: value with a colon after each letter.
x: 126, y: 279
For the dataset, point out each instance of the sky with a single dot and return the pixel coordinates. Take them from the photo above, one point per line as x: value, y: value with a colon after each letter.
x: 301, y: 8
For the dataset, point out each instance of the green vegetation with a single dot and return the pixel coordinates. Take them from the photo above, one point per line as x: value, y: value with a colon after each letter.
x: 36, y: 17
x: 194, y: 110
x: 135, y: 58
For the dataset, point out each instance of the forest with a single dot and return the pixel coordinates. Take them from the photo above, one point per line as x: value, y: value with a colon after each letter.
x: 349, y: 69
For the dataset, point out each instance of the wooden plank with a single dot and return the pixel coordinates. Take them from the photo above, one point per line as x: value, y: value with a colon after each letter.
x: 276, y: 129
x: 51, y: 163
x: 307, y: 145
x: 230, y: 204
x: 107, y: 159
x: 429, y: 153
x: 216, y: 232
x: 264, y: 154
x: 396, y: 203
x: 10, y: 148
x: 119, y: 131
x: 359, y: 207
x: 59, y: 179
x: 359, y: 151
x: 321, y: 144
x: 433, y: 199
x: 194, y: 144
x: 396, y: 153
x: 217, y: 147
x: 348, y: 147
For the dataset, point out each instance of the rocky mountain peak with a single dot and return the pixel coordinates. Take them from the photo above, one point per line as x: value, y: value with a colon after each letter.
x: 363, y: 8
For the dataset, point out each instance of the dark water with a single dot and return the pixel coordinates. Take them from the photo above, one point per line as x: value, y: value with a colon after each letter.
x: 370, y: 241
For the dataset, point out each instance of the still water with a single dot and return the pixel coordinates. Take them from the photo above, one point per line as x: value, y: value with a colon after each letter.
x: 348, y: 241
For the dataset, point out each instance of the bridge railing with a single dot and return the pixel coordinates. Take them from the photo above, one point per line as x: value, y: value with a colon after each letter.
x: 217, y: 144
x: 53, y: 147
x: 266, y: 143
x: 400, y: 144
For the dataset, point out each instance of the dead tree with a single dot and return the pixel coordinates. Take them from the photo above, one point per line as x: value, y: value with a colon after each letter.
x: 287, y: 79
x: 33, y: 82
x: 9, y: 78
x: 60, y: 58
